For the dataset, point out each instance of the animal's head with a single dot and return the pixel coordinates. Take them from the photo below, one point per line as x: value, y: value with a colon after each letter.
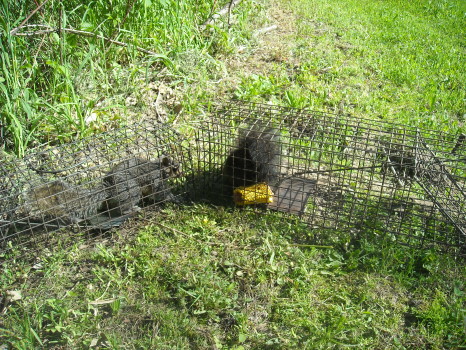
x: 170, y: 167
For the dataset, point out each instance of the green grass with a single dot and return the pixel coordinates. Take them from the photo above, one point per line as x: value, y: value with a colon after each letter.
x: 56, y: 88
x: 203, y: 277
x: 399, y: 60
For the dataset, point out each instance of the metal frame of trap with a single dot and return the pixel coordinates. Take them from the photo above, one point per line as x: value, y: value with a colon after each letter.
x: 338, y: 173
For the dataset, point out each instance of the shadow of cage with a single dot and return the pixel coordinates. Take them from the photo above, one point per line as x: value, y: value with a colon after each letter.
x: 336, y: 173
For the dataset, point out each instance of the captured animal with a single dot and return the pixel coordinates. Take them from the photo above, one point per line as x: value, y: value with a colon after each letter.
x: 123, y: 188
x: 58, y: 200
x: 137, y: 179
x: 256, y: 159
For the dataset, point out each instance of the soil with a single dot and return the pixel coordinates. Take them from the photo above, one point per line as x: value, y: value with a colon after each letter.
x: 273, y: 47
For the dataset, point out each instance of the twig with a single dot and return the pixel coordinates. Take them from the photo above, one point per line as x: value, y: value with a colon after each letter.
x: 156, y: 105
x: 102, y: 302
x: 128, y: 10
x: 36, y: 32
x: 42, y: 40
x: 226, y: 9
x: 60, y: 32
x: 229, y: 13
x: 79, y: 32
x: 37, y: 4
x: 264, y: 30
x: 129, y: 6
x: 14, y: 30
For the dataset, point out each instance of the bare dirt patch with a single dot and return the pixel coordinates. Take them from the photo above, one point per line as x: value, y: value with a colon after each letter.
x: 273, y: 47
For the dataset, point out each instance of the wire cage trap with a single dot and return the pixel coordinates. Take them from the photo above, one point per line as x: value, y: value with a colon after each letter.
x: 335, y: 173
x: 342, y: 173
x: 91, y: 185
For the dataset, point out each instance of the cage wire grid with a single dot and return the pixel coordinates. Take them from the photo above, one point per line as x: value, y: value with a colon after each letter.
x: 71, y: 178
x: 337, y: 173
x: 351, y: 174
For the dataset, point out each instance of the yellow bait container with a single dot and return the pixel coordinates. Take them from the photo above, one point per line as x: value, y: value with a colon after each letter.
x: 256, y: 194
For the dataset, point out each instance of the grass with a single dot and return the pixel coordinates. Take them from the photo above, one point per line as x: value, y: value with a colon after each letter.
x: 207, y: 277
x: 398, y: 60
x: 56, y: 88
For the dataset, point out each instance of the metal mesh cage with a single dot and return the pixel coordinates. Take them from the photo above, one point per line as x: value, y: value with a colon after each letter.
x: 349, y: 174
x: 83, y: 186
x: 336, y: 173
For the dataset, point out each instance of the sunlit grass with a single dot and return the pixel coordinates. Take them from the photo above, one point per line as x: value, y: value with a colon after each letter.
x: 398, y: 60
x: 50, y: 86
x: 196, y: 276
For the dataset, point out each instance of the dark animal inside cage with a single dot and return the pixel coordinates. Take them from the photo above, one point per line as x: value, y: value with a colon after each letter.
x: 91, y: 185
x: 137, y: 179
x: 337, y: 172
x: 255, y: 159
